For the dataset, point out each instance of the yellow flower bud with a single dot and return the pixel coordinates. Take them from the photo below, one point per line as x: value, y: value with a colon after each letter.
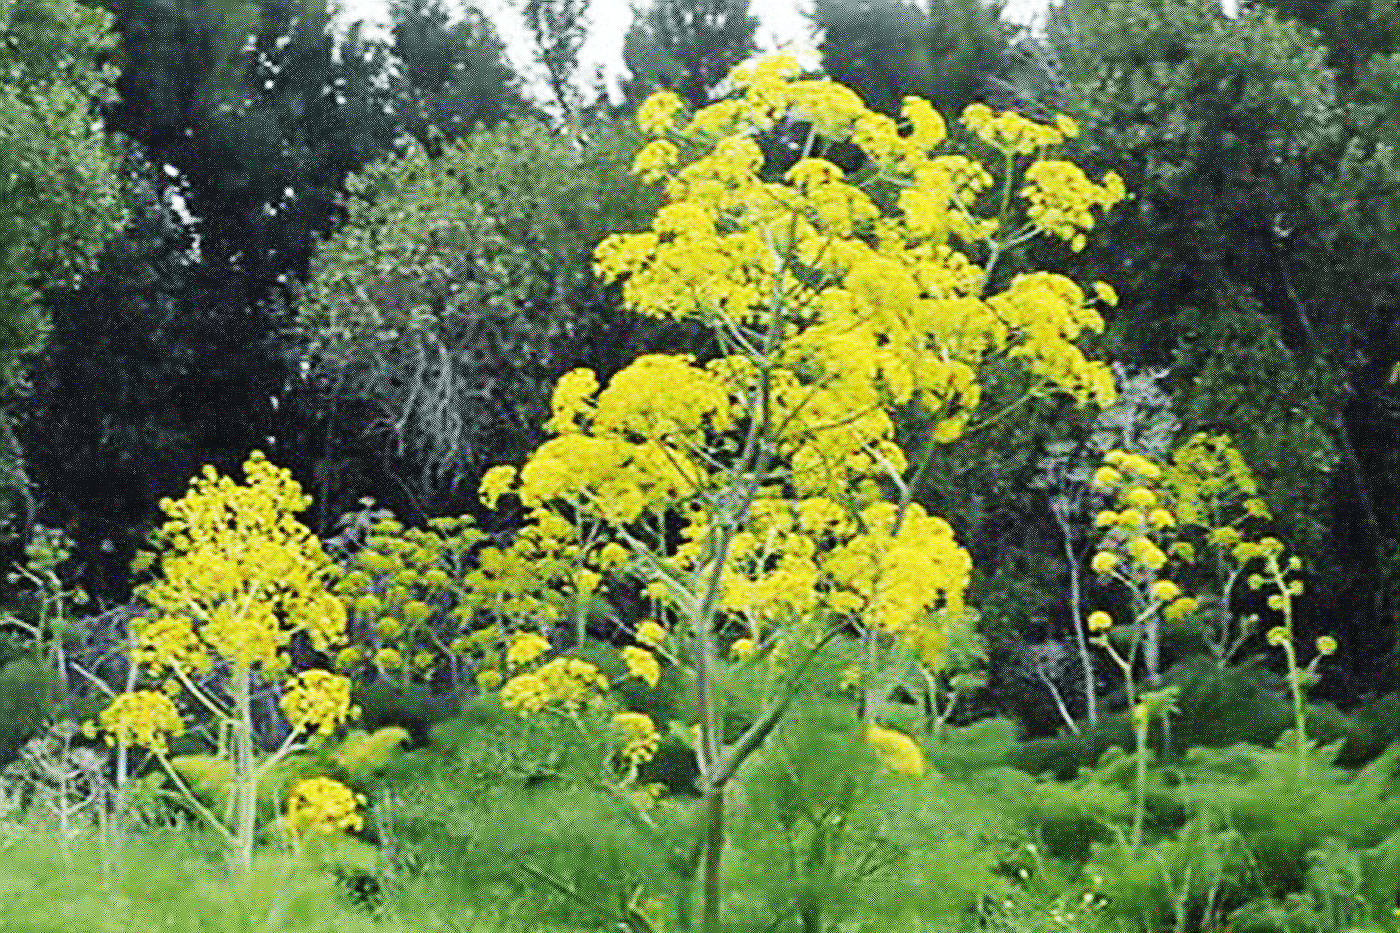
x: 1106, y: 477
x: 1140, y: 497
x: 1165, y: 590
x: 1104, y: 561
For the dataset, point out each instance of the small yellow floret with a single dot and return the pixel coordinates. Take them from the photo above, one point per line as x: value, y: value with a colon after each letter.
x: 899, y: 752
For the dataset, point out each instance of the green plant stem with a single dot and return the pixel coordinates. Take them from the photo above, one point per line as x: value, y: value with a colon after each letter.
x: 244, y: 769
x: 1299, y: 723
x: 714, y: 847
x: 1139, y: 777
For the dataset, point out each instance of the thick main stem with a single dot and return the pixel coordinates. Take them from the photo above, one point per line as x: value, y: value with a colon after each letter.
x: 714, y: 848
x: 1139, y: 776
x: 1299, y: 724
x: 244, y: 768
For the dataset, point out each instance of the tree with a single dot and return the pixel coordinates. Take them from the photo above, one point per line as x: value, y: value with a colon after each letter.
x: 114, y: 423
x: 244, y: 119
x: 886, y: 49
x: 59, y: 198
x: 452, y: 75
x: 686, y: 46
x: 558, y: 28
x: 456, y: 285
x: 1238, y: 150
x: 1354, y: 30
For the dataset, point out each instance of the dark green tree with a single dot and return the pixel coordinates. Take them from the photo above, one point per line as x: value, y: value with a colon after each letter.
x: 944, y: 50
x: 59, y: 196
x: 687, y: 46
x: 116, y: 419
x: 1353, y: 30
x: 251, y: 114
x: 452, y: 73
x: 437, y: 315
x: 558, y: 29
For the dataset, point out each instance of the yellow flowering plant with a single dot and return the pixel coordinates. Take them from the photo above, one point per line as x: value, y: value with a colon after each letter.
x: 1220, y: 508
x: 1137, y: 552
x: 241, y: 599
x: 406, y: 596
x: 1228, y: 520
x: 322, y: 806
x: 1197, y: 516
x: 760, y: 500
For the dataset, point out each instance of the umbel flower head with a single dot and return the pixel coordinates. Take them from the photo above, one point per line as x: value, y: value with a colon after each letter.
x: 323, y: 806
x: 899, y: 752
x: 239, y: 576
x: 144, y: 718
x: 318, y: 701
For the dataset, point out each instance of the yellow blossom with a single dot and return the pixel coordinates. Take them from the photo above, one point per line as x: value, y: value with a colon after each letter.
x: 1165, y: 590
x: 145, y: 718
x: 1107, y: 476
x: 640, y: 735
x: 899, y: 752
x: 1104, y: 561
x: 323, y: 806
x: 651, y: 633
x: 526, y: 647
x: 657, y: 114
x: 642, y: 664
x: 317, y: 701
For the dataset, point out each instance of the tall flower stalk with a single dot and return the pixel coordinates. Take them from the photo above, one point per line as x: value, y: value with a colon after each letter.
x: 241, y: 593
x: 761, y: 500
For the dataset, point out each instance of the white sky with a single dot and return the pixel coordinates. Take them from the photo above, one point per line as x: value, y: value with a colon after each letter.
x: 780, y: 24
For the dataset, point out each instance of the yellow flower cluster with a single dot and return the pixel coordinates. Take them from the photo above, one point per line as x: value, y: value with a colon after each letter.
x: 893, y: 578
x: 889, y: 288
x: 527, y: 579
x: 1139, y: 536
x: 145, y: 718
x: 526, y: 647
x: 241, y: 572
x: 567, y: 682
x: 317, y: 701
x: 1061, y: 199
x: 406, y: 593
x: 642, y: 664
x: 323, y: 806
x: 652, y: 634
x: 899, y: 752
x: 1012, y: 132
x: 168, y: 642
x: 639, y: 734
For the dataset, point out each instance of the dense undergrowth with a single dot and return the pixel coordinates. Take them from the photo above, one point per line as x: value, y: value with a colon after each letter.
x: 496, y: 824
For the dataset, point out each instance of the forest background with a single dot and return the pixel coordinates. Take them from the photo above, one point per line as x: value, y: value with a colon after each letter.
x: 160, y: 305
